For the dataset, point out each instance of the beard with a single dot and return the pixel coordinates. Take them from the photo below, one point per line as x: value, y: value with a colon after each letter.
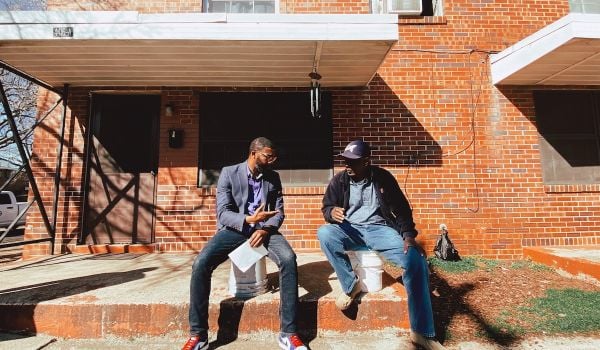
x: 261, y: 168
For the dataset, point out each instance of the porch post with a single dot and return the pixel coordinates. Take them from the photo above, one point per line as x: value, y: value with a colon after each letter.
x: 65, y: 97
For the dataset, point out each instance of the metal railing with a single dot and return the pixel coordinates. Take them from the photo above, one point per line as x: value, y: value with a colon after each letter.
x: 49, y: 224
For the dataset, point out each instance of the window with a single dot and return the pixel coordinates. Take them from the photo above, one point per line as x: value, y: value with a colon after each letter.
x: 230, y: 120
x: 569, y: 127
x: 585, y: 6
x: 5, y: 198
x: 408, y: 7
x: 241, y: 6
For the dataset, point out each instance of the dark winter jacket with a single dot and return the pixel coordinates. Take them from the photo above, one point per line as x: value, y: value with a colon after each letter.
x: 393, y: 204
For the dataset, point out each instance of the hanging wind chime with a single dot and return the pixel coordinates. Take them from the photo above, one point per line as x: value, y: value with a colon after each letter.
x: 315, y: 94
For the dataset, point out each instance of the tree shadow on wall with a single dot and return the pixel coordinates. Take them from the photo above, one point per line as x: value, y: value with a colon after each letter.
x: 378, y: 115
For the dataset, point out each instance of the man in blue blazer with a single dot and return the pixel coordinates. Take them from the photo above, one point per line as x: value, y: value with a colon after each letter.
x: 249, y: 207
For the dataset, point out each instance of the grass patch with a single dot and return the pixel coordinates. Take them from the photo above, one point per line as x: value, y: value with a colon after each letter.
x: 559, y: 311
x: 466, y: 264
x: 528, y: 264
x: 472, y: 263
x: 567, y: 310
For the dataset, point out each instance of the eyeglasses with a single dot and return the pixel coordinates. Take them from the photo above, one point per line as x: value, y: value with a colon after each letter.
x: 268, y: 157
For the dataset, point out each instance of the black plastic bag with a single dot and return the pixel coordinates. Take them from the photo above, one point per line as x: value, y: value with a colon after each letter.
x: 444, y: 249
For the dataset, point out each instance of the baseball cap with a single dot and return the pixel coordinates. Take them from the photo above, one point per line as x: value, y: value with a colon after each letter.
x: 356, y: 149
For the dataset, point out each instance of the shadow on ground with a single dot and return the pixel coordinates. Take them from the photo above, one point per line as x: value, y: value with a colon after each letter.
x: 26, y: 298
x: 452, y: 302
x: 313, y: 277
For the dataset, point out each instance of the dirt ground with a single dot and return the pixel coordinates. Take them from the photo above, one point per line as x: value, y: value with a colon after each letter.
x: 467, y: 304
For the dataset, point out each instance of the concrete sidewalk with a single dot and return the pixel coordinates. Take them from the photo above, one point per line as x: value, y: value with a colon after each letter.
x: 374, y: 340
x: 580, y: 261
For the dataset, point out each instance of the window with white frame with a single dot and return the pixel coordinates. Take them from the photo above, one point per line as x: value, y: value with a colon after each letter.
x: 408, y: 7
x: 241, y: 6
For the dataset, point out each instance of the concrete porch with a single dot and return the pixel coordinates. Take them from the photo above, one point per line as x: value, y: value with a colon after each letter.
x: 132, y: 296
x: 135, y: 295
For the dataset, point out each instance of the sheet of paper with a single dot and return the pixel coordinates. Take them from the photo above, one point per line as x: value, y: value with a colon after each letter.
x: 245, y: 256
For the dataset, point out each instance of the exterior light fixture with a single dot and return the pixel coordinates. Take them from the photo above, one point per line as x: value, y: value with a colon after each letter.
x: 315, y: 94
x: 169, y: 110
x: 175, y: 138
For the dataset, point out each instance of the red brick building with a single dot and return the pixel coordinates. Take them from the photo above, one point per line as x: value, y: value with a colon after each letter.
x: 487, y: 112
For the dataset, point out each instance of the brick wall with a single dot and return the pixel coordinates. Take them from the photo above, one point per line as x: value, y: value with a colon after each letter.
x: 465, y: 152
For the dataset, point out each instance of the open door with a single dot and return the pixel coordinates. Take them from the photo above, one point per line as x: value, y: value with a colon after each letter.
x: 123, y: 159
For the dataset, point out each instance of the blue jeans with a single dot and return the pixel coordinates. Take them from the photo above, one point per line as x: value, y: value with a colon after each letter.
x: 215, y: 252
x: 337, y: 238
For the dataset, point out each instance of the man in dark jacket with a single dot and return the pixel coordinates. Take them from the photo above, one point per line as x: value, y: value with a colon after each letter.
x: 365, y: 208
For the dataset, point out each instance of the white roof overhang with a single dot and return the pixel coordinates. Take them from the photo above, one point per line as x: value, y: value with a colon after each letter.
x: 125, y: 48
x: 566, y: 52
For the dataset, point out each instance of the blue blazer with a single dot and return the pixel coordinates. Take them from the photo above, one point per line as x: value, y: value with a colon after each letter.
x: 232, y: 195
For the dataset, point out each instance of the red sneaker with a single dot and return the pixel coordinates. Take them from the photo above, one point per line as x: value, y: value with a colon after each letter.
x: 194, y: 343
x: 292, y: 342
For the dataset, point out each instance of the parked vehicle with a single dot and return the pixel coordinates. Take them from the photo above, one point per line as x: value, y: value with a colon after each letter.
x: 10, y: 209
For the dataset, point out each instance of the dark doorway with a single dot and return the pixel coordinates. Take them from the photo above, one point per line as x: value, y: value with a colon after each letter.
x: 122, y: 169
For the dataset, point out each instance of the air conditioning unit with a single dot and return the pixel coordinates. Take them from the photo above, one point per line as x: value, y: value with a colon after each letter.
x: 405, y: 7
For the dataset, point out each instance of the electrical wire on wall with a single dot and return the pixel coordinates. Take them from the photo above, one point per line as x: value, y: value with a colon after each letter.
x: 475, y: 94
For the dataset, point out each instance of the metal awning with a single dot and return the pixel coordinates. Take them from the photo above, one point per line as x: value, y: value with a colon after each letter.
x: 125, y: 48
x: 566, y: 52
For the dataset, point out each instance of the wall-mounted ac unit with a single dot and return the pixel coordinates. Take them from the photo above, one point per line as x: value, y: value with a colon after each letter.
x: 405, y: 7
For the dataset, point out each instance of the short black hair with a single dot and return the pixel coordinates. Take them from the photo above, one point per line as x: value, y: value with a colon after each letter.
x: 261, y: 142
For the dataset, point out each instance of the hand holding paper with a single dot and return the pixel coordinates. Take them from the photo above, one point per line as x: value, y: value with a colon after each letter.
x: 245, y: 256
x: 257, y: 237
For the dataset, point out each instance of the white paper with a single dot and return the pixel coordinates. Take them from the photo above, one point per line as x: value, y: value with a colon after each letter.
x: 245, y: 256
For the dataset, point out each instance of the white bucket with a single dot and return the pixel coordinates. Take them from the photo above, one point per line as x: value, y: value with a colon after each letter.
x: 248, y: 284
x: 368, y: 266
x: 370, y: 279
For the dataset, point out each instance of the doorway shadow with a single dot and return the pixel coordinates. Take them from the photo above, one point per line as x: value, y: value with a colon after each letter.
x: 230, y: 314
x: 315, y: 278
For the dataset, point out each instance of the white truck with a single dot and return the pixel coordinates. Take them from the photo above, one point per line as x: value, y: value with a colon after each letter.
x: 10, y: 209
